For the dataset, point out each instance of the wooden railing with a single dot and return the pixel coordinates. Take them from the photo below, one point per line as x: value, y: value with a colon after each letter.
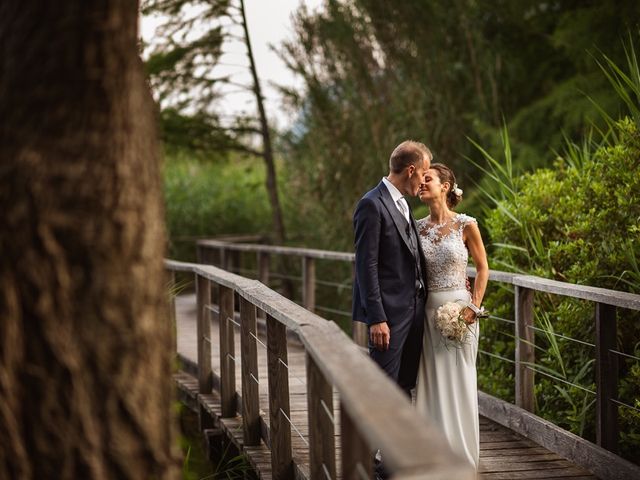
x: 600, y: 458
x: 374, y: 413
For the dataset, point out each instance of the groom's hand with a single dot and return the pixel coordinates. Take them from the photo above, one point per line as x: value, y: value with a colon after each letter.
x: 380, y: 335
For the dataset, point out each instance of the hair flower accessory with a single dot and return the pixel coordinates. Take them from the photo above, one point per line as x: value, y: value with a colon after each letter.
x: 456, y: 190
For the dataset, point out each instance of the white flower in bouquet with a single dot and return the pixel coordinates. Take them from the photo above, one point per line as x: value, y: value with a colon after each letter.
x: 450, y: 323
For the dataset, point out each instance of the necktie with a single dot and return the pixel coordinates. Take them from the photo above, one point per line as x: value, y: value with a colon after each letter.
x: 403, y: 209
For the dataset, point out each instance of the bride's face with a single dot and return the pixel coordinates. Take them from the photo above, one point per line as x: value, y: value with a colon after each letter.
x: 432, y: 187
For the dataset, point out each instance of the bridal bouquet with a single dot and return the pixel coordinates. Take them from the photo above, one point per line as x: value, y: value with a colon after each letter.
x: 450, y: 323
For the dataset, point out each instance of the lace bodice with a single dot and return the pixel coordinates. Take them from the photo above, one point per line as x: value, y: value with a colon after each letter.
x: 445, y: 252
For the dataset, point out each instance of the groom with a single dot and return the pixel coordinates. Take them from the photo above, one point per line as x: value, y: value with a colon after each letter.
x: 389, y: 291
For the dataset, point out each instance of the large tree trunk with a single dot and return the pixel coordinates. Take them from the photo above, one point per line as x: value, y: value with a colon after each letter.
x: 85, y: 349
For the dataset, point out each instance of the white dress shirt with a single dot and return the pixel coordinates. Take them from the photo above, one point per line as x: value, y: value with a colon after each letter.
x: 398, y: 199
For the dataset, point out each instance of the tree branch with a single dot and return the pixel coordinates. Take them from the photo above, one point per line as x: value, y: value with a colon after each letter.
x: 238, y: 129
x: 250, y: 151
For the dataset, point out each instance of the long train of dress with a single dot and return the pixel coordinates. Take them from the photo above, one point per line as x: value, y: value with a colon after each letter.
x: 447, y: 381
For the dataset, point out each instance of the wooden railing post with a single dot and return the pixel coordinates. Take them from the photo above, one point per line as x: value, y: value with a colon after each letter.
x: 606, y: 377
x: 227, y: 352
x: 224, y: 258
x: 203, y: 299
x: 359, y: 330
x: 309, y: 283
x: 279, y: 412
x: 171, y: 281
x: 357, y: 458
x: 264, y: 266
x: 322, y: 447
x: 250, y: 382
x: 525, y: 350
x: 234, y: 263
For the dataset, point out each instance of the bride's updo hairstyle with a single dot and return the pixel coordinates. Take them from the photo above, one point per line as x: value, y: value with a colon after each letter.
x: 445, y: 174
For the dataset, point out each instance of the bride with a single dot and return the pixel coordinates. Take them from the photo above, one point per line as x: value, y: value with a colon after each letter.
x: 447, y: 386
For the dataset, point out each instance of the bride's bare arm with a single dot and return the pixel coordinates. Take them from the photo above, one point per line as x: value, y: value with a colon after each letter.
x: 473, y: 239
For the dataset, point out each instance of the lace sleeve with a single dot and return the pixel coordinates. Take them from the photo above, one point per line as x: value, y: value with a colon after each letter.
x: 464, y: 220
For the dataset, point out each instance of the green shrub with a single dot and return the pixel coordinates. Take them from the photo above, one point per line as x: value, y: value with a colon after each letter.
x: 578, y: 223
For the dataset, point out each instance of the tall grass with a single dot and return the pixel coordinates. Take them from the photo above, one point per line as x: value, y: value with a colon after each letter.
x: 212, y: 199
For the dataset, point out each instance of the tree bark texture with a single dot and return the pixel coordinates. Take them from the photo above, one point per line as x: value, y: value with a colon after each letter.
x: 85, y: 343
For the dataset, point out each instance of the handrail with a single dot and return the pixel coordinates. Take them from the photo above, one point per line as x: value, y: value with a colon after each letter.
x: 374, y: 412
x: 302, y: 252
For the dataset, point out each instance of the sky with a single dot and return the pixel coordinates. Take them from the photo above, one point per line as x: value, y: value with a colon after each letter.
x: 269, y: 23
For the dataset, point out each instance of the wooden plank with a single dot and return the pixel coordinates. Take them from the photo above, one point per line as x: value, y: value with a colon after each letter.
x: 309, y: 283
x: 322, y: 449
x: 227, y: 352
x: 499, y: 456
x: 490, y: 445
x: 567, y: 472
x: 203, y: 328
x: 524, y: 452
x: 600, y: 462
x: 279, y: 428
x: 502, y: 466
x: 250, y: 377
x: 606, y: 377
x: 502, y: 436
x: 357, y: 457
x: 525, y: 350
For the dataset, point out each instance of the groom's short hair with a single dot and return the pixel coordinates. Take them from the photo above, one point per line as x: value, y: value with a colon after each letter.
x: 408, y: 153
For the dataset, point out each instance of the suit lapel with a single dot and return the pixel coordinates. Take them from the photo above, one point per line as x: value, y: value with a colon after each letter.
x: 398, y: 219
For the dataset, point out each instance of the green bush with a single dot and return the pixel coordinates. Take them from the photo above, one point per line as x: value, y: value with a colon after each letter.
x: 211, y: 199
x: 578, y: 223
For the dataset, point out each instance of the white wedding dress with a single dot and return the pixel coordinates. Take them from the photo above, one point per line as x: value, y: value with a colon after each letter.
x: 447, y: 383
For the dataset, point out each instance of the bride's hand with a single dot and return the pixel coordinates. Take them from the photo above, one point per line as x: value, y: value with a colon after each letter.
x: 469, y: 316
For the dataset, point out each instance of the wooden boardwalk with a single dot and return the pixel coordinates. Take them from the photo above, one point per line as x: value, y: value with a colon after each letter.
x: 503, y: 454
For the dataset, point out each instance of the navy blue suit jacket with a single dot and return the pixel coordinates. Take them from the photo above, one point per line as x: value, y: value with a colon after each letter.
x: 385, y: 282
